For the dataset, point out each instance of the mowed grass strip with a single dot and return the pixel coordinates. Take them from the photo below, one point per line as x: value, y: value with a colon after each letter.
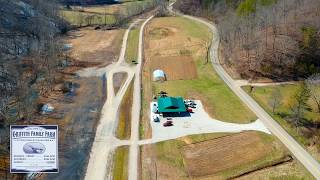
x: 133, y: 44
x: 264, y: 94
x: 124, y: 123
x: 120, y: 163
x: 188, y: 36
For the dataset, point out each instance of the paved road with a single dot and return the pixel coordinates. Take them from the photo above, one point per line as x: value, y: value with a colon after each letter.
x: 299, y: 152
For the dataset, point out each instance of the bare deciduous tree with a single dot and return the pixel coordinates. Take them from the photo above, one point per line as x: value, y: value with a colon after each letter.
x: 313, y: 83
x: 275, y: 99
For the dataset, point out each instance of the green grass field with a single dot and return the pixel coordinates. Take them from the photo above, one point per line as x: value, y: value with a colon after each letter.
x: 77, y: 18
x: 133, y: 45
x: 263, y: 94
x: 103, y: 14
x: 120, y: 159
x: 221, y: 103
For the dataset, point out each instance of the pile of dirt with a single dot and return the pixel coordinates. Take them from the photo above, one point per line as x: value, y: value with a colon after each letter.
x: 175, y: 67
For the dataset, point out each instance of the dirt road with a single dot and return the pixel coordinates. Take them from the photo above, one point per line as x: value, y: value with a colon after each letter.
x: 299, y: 152
x: 100, y: 161
x: 136, y: 106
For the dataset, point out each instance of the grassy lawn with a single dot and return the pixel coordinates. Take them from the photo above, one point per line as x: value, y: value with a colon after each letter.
x: 220, y: 102
x: 124, y: 126
x: 263, y: 94
x: 103, y: 14
x: 133, y: 43
x: 77, y: 18
x: 116, y: 8
x: 120, y: 167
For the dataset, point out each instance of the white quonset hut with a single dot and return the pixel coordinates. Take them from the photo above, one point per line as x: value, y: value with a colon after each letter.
x: 158, y: 75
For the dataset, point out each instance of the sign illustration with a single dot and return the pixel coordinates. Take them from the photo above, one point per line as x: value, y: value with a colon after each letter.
x: 34, y: 149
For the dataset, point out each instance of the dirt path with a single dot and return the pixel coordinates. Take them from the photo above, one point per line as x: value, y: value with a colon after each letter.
x: 100, y: 161
x: 136, y: 107
x: 296, y: 149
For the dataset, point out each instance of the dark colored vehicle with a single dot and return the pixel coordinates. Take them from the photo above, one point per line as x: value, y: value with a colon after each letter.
x: 189, y: 110
x: 169, y: 118
x: 167, y: 124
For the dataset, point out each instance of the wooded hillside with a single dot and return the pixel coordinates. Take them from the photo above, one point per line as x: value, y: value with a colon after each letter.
x: 277, y: 39
x: 29, y: 55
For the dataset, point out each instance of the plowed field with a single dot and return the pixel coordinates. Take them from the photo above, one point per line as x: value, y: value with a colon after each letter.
x: 220, y: 154
x: 176, y: 67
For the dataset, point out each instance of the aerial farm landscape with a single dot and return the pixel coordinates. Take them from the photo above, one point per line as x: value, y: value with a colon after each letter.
x: 160, y: 89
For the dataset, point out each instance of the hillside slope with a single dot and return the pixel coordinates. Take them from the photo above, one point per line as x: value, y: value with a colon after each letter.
x: 28, y: 54
x: 276, y: 39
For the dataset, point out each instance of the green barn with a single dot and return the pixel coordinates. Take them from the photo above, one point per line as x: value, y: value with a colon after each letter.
x: 171, y: 105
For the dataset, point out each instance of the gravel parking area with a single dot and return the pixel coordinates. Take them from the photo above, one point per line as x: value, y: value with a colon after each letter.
x: 198, y: 122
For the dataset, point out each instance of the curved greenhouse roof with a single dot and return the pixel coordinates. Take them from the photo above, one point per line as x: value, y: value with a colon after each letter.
x: 158, y: 75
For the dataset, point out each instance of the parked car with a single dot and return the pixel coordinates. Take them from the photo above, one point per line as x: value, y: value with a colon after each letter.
x: 167, y: 124
x: 156, y: 118
x: 169, y: 118
x: 155, y: 108
x: 190, y: 103
x: 190, y: 110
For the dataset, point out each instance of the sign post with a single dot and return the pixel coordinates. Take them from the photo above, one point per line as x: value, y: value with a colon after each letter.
x: 34, y: 149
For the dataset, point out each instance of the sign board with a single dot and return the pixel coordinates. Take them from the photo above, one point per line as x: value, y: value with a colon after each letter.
x: 34, y: 149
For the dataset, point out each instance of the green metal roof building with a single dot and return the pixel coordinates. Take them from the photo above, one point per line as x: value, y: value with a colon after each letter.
x: 171, y: 105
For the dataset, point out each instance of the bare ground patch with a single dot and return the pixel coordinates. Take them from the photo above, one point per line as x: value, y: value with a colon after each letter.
x: 161, y: 32
x: 175, y: 67
x: 118, y: 80
x: 95, y: 46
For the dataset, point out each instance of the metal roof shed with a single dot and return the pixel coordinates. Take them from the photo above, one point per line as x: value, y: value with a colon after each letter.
x: 171, y: 105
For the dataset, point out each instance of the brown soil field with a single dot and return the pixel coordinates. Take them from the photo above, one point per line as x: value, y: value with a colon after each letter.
x: 95, y: 46
x: 223, y: 153
x: 175, y: 67
x: 118, y: 80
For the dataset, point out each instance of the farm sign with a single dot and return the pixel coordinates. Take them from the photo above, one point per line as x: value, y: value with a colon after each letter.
x: 33, y: 149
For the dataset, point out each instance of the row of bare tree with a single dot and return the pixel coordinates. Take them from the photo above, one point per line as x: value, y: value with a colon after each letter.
x: 279, y: 40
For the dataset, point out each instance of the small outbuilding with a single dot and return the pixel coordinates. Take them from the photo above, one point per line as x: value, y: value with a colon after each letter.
x: 158, y: 75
